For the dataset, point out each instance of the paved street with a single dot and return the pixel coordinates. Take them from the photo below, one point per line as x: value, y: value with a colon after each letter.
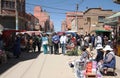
x: 35, y: 65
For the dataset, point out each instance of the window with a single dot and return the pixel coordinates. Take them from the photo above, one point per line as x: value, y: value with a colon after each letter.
x: 101, y: 19
x: 8, y: 5
x: 88, y: 19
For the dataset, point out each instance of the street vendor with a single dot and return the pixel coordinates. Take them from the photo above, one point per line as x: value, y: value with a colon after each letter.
x: 100, y: 53
x: 79, y: 64
x: 84, y: 55
x: 109, y: 61
x: 88, y: 51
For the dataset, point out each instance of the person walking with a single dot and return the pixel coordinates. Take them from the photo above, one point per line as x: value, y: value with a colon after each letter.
x: 55, y: 40
x: 63, y: 42
x: 45, y: 43
x: 50, y: 44
x: 38, y: 42
x: 17, y: 49
x: 34, y: 37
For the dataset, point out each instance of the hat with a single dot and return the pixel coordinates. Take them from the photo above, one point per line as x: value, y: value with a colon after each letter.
x: 99, y: 46
x: 107, y: 47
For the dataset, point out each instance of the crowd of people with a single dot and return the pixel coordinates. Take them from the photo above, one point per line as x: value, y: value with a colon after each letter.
x: 105, y: 54
x: 52, y: 42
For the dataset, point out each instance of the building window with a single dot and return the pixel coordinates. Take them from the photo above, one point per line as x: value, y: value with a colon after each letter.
x: 101, y: 19
x: 8, y: 5
x: 88, y: 21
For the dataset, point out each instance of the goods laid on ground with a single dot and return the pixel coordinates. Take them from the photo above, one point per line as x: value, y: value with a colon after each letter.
x: 86, y: 70
x: 91, y: 70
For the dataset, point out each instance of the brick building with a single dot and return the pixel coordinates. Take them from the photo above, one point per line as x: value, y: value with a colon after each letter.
x: 32, y: 22
x: 70, y: 16
x: 91, y: 19
x: 8, y: 14
x: 64, y: 26
x: 94, y: 18
x: 44, y: 19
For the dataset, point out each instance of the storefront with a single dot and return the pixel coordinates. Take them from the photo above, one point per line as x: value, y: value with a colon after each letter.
x: 114, y: 22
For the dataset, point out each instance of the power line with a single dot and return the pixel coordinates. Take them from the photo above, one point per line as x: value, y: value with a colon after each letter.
x: 59, y: 2
x: 49, y: 7
x: 49, y: 12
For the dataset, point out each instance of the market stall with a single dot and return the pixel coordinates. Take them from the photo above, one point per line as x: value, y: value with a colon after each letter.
x: 114, y: 22
x: 86, y: 70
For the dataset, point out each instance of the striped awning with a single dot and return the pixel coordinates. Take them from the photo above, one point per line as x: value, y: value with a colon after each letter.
x: 114, y: 15
x: 113, y: 19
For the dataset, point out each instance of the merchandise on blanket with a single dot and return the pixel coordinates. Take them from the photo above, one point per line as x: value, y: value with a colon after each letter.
x: 99, y: 75
x: 80, y: 74
x: 94, y: 66
x: 79, y: 65
x: 91, y: 67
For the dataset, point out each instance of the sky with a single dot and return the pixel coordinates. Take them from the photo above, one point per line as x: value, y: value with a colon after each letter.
x: 57, y: 8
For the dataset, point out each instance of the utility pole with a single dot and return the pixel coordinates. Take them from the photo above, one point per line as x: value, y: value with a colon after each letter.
x: 16, y: 13
x: 77, y: 6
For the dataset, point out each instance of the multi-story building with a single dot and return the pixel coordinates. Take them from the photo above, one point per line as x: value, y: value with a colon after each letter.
x: 64, y: 26
x: 32, y: 22
x: 44, y: 18
x: 70, y: 16
x: 91, y: 19
x: 8, y: 12
x: 94, y: 18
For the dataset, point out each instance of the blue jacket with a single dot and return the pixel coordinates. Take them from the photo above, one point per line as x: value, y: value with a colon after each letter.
x: 111, y: 63
x: 55, y: 39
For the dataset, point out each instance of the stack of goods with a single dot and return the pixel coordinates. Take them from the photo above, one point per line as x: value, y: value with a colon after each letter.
x: 91, y: 69
x: 94, y: 66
